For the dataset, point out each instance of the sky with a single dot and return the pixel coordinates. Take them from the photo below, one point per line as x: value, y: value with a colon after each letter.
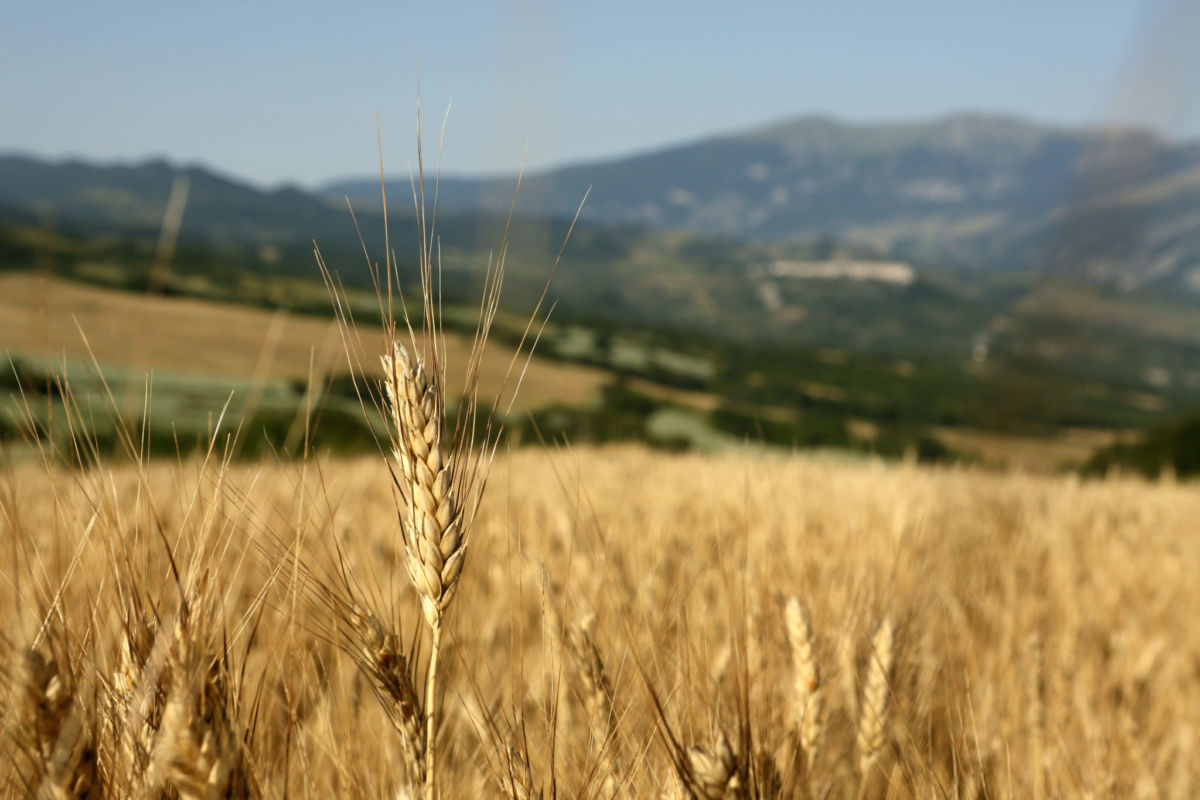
x: 276, y: 92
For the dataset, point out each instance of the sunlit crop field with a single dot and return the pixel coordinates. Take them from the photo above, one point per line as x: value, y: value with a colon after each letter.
x: 50, y: 317
x: 618, y: 609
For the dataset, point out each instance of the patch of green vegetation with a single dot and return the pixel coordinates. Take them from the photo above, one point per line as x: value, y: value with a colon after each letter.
x: 186, y: 412
x: 1174, y: 446
x: 620, y: 415
x: 811, y: 428
x: 685, y: 428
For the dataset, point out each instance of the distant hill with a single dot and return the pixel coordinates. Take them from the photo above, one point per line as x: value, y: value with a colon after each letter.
x: 1127, y: 327
x: 1007, y: 240
x: 231, y: 223
x: 1054, y: 274
x: 130, y: 199
x: 1115, y: 206
x: 133, y: 197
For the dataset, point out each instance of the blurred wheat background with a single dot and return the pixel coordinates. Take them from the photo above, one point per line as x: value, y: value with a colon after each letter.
x: 1042, y: 643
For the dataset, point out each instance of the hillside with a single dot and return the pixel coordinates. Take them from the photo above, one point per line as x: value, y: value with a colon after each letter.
x: 591, y: 382
x: 1103, y: 333
x: 216, y: 341
x: 106, y: 219
x: 272, y: 229
x: 1115, y: 206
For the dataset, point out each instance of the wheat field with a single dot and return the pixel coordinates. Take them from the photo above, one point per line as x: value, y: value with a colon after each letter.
x: 629, y: 624
x: 53, y: 318
x: 442, y: 620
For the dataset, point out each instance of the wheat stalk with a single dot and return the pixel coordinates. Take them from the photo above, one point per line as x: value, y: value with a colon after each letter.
x: 873, y: 709
x: 1035, y: 712
x: 431, y: 519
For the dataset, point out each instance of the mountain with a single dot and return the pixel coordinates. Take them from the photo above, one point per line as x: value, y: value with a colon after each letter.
x: 108, y: 218
x: 230, y: 223
x: 1118, y: 209
x: 131, y: 199
x: 1117, y: 206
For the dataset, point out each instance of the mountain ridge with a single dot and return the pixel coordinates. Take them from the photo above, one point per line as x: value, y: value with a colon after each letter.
x: 972, y: 189
x: 1117, y: 207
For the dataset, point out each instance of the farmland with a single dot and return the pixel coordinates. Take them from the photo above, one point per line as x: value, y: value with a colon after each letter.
x: 1040, y: 626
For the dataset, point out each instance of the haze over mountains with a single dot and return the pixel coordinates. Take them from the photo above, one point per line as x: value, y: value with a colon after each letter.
x: 1120, y: 208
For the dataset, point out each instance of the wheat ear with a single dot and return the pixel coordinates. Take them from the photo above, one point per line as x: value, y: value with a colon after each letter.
x: 53, y: 731
x: 134, y: 700
x: 381, y: 657
x: 431, y: 524
x: 807, y: 678
x: 199, y: 751
x: 713, y: 774
x: 431, y: 518
x: 873, y: 712
x: 598, y: 697
x: 519, y: 784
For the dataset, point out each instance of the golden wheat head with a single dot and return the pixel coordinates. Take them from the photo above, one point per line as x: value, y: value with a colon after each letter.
x: 431, y: 518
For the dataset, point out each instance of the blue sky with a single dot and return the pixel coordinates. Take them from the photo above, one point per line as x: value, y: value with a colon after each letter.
x: 289, y: 91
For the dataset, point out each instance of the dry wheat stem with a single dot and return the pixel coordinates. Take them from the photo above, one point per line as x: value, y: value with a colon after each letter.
x: 1036, y: 713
